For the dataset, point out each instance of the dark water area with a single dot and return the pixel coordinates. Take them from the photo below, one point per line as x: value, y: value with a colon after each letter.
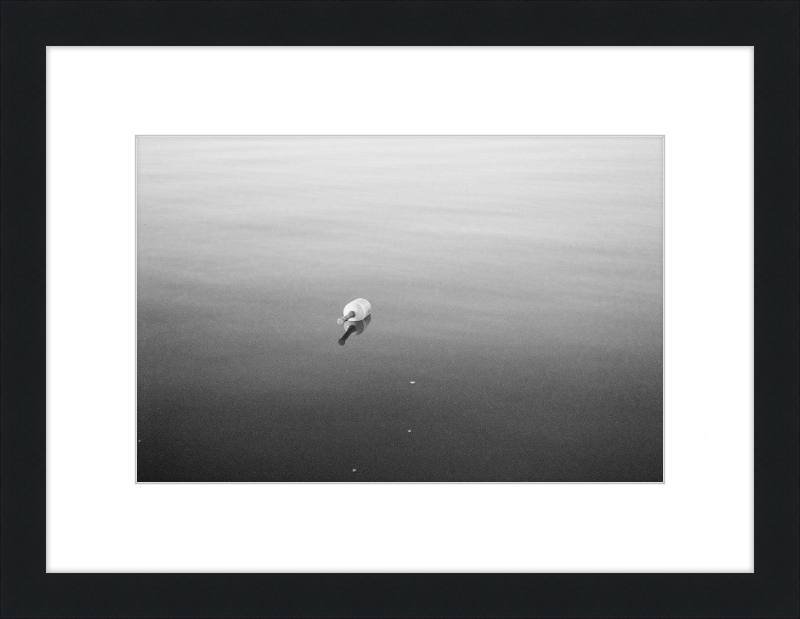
x: 516, y: 291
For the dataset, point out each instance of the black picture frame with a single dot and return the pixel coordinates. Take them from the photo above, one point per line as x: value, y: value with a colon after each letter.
x: 771, y: 27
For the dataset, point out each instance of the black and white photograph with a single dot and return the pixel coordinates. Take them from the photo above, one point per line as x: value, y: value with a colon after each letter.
x: 399, y: 308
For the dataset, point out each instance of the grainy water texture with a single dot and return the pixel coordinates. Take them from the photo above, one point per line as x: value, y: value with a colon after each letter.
x: 516, y: 290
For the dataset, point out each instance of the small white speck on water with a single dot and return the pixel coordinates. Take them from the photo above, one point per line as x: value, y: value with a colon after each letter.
x: 412, y: 381
x: 140, y: 440
x: 354, y: 470
x: 409, y: 430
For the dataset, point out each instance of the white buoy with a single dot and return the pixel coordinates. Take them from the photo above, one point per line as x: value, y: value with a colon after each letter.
x: 355, y: 310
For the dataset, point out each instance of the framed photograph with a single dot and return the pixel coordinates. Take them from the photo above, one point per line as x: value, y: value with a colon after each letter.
x: 332, y: 312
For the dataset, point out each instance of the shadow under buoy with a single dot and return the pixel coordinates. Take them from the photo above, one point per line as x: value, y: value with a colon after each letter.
x: 354, y: 327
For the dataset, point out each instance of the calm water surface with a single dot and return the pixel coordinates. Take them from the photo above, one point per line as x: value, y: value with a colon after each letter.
x: 516, y: 287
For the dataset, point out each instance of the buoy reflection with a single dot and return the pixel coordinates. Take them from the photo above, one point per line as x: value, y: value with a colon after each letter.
x: 354, y: 327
